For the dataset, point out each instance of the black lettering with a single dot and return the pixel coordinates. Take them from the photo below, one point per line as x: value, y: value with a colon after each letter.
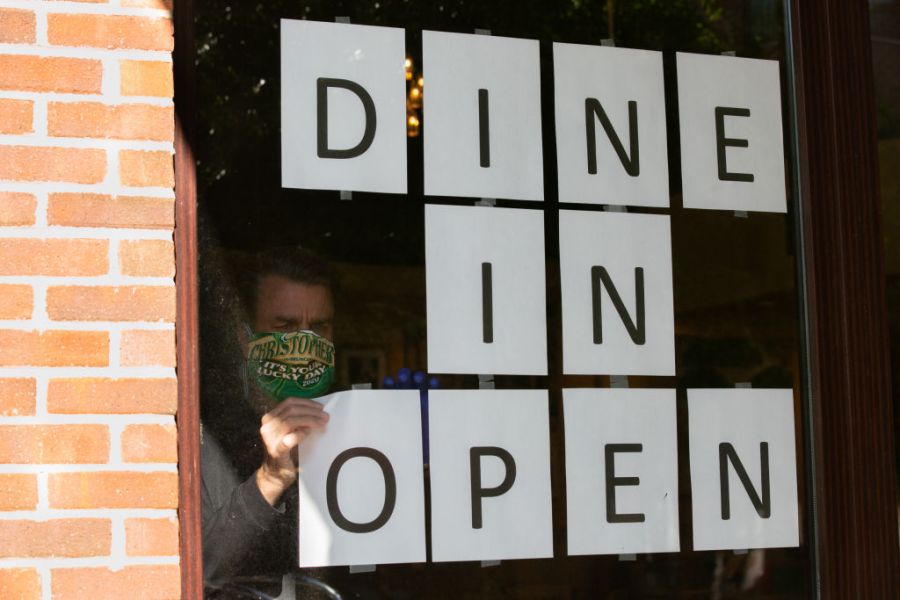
x: 390, y: 490
x: 631, y: 160
x: 612, y: 482
x: 762, y: 505
x: 479, y: 492
x: 484, y: 128
x: 600, y: 278
x: 487, y: 303
x: 322, y: 85
x: 722, y: 142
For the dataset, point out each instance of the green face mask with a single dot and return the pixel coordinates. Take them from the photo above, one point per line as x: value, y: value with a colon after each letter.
x: 297, y: 364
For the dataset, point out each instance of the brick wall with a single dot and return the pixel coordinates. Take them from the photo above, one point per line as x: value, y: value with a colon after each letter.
x: 88, y: 480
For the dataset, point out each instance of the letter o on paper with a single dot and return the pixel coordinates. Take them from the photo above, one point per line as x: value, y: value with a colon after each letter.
x: 390, y: 490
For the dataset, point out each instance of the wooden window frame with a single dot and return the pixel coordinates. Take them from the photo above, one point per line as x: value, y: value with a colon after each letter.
x: 852, y: 530
x: 854, y: 538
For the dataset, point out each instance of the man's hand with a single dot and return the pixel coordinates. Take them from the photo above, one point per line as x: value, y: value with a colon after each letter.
x: 283, y: 428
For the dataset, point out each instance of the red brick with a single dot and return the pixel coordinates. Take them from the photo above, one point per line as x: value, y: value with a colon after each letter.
x: 25, y: 256
x: 96, y: 210
x: 16, y: 302
x: 112, y: 396
x: 101, y: 489
x: 146, y: 78
x: 55, y: 538
x: 135, y: 583
x: 54, y: 348
x: 17, y: 208
x: 33, y: 163
x: 56, y: 74
x: 150, y: 443
x: 17, y: 26
x: 106, y: 303
x: 143, y: 348
x: 139, y: 168
x: 16, y: 116
x: 18, y: 491
x: 17, y: 396
x: 20, y: 584
x: 110, y: 31
x: 151, y: 537
x: 51, y: 444
x: 123, y: 121
x: 147, y: 258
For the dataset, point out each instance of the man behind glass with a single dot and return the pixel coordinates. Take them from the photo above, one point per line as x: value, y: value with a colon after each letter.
x: 249, y: 443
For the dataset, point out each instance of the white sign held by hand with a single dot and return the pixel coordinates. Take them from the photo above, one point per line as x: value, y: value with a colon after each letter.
x: 362, y: 494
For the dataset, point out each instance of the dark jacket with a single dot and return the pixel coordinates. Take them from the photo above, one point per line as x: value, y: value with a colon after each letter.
x: 242, y: 534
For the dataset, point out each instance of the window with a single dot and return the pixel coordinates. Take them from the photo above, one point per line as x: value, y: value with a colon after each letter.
x: 736, y: 320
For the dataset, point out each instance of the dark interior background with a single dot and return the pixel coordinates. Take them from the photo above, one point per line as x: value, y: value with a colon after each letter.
x: 736, y: 303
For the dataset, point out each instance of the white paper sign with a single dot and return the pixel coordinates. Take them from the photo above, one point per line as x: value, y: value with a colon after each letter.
x: 486, y: 300
x: 343, y: 107
x: 732, y: 154
x: 482, y: 127
x: 362, y: 497
x: 490, y: 475
x: 738, y: 431
x: 602, y: 93
x: 621, y: 471
x: 606, y: 261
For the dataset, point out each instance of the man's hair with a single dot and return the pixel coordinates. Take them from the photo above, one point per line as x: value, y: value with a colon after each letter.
x: 291, y: 262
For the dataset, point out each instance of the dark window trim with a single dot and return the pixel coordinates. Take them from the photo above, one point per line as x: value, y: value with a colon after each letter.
x: 855, y: 511
x: 854, y: 518
x: 187, y: 323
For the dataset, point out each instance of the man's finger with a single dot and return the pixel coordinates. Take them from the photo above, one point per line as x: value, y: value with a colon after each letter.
x: 292, y: 404
x: 302, y: 411
x: 273, y: 437
x: 305, y: 401
x: 291, y: 440
x: 283, y: 425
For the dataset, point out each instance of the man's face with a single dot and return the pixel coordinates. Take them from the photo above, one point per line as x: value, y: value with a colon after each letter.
x: 285, y: 305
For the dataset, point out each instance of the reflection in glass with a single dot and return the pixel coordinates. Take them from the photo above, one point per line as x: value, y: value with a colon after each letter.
x: 735, y: 295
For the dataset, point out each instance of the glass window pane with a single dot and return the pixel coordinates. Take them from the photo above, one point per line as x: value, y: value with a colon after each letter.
x: 735, y: 301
